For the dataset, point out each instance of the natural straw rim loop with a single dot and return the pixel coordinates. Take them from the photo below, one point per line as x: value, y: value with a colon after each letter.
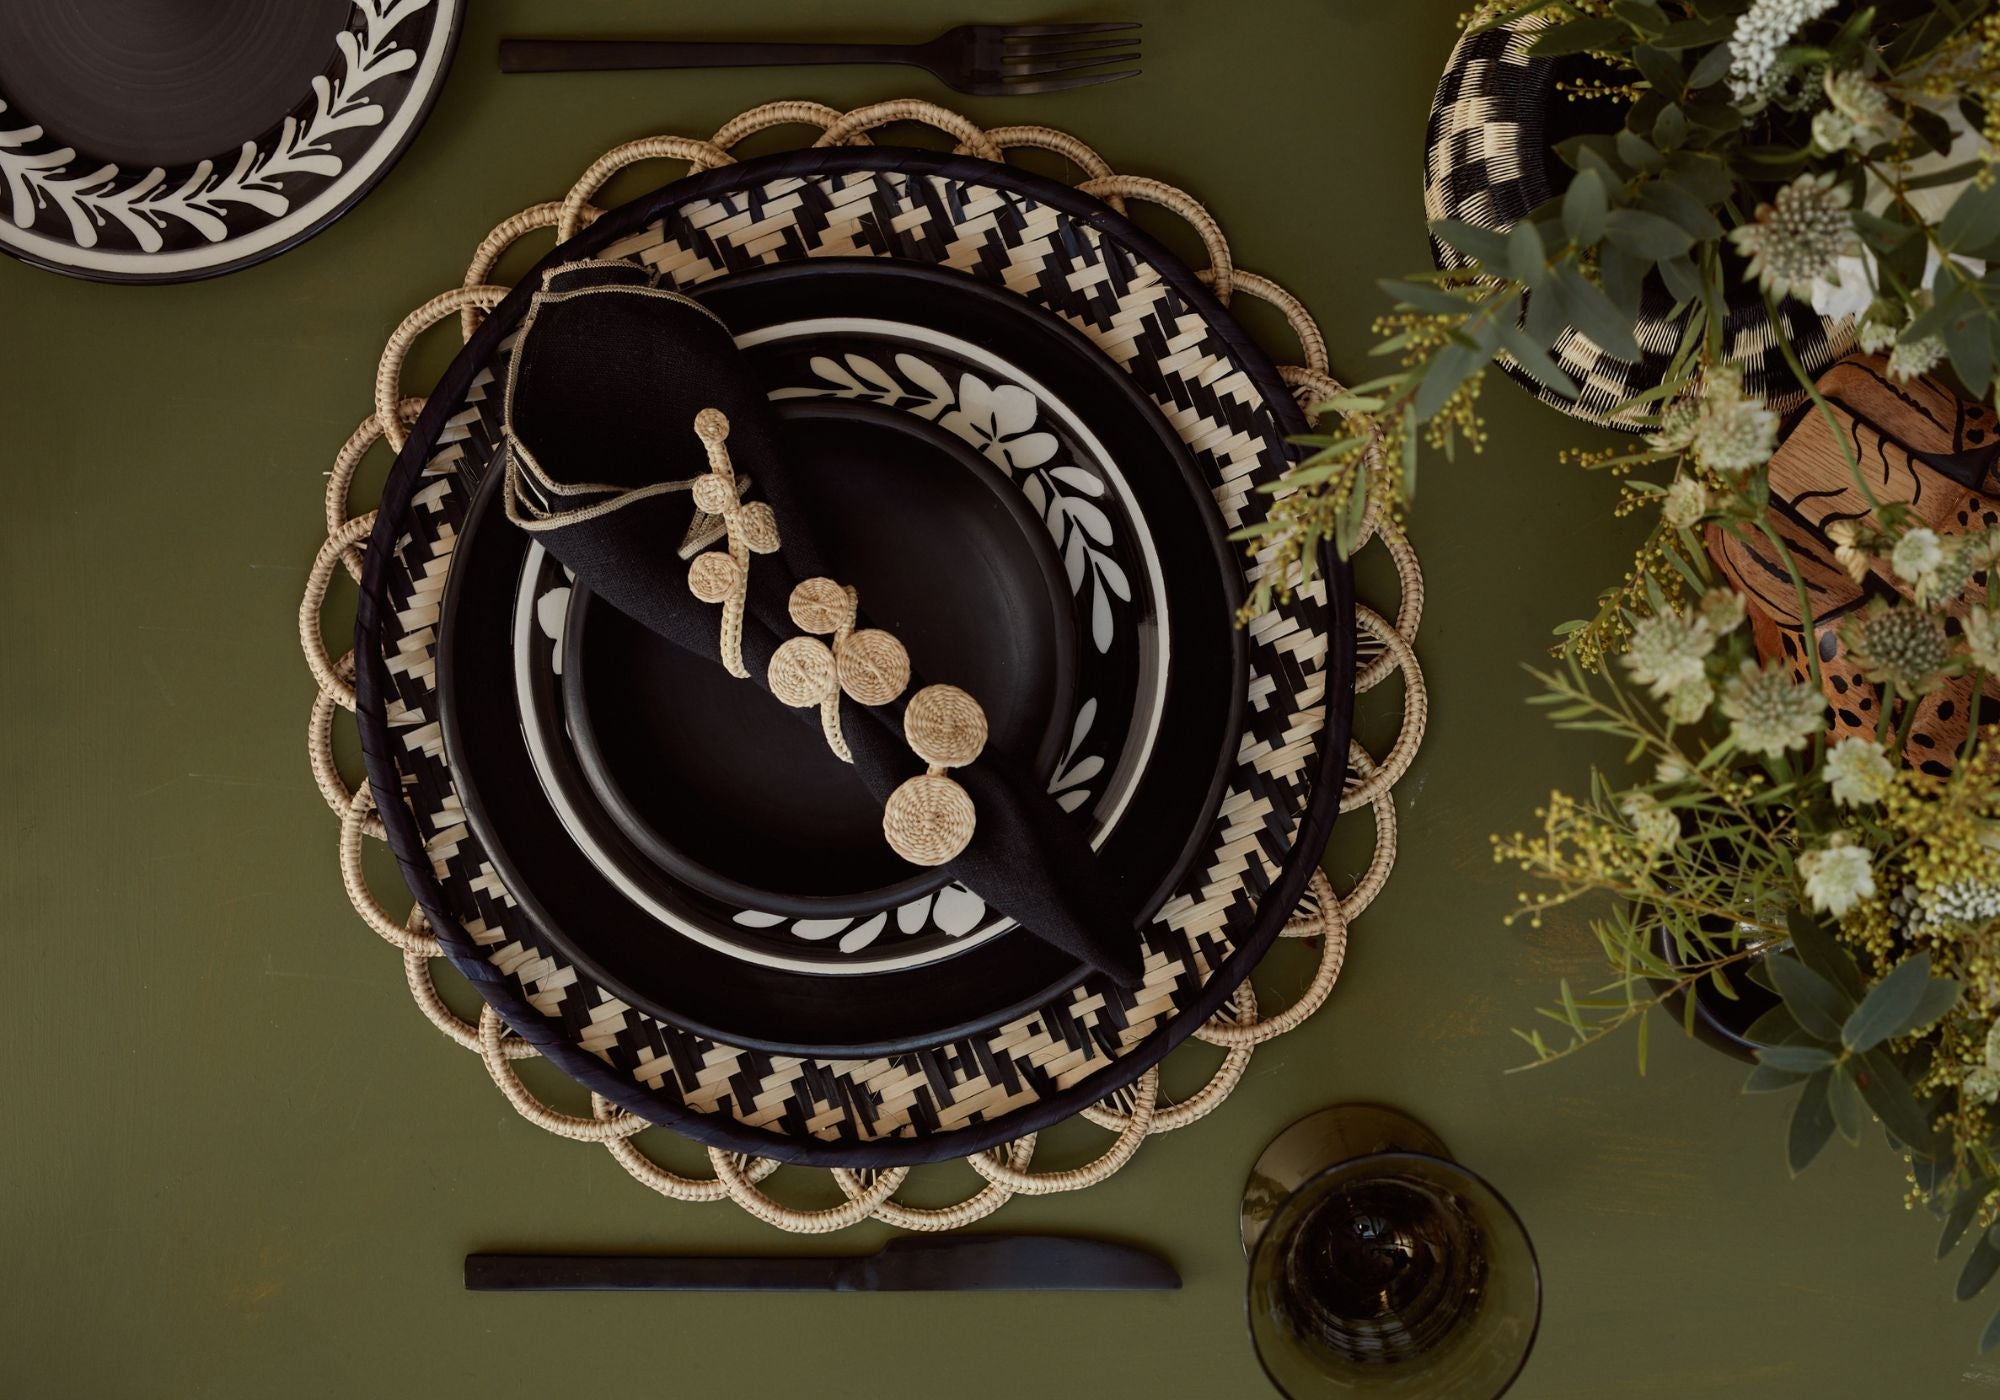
x: 1381, y: 862
x: 862, y: 120
x: 424, y: 991
x: 700, y: 155
x: 341, y: 478
x: 671, y: 1184
x: 1222, y: 1029
x: 403, y: 933
x: 1133, y: 1112
x: 1221, y: 271
x: 494, y: 246
x: 389, y: 372
x: 319, y: 752
x: 977, y: 1206
x: 1000, y: 1170
x: 852, y: 1211
x: 1047, y: 138
x: 1304, y: 328
x: 789, y: 113
x: 1416, y: 710
x: 1168, y: 1118
x: 566, y: 1125
x: 326, y: 671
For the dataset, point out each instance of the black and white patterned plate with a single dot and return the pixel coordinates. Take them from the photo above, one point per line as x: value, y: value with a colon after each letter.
x: 1071, y: 480
x: 144, y: 142
x: 1071, y: 257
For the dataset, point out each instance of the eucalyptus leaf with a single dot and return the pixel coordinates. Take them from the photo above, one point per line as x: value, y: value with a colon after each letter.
x: 1815, y: 1003
x: 1661, y: 69
x: 1818, y: 949
x: 1584, y: 207
x: 1647, y: 235
x: 1964, y: 1208
x: 1989, y: 1338
x: 1711, y: 68
x: 1624, y: 278
x: 1811, y: 1125
x: 1844, y: 1099
x: 1484, y: 246
x: 1670, y: 128
x: 1593, y: 314
x: 1940, y: 996
x: 1973, y: 219
x: 1535, y: 360
x: 1448, y: 369
x: 1887, y: 1008
x: 1797, y: 1059
x: 1980, y: 1266
x: 1527, y: 258
x: 1766, y: 1080
x: 1968, y: 338
x: 1637, y: 152
x: 1888, y: 1092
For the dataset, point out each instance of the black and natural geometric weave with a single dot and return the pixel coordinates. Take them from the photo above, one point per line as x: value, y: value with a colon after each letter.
x: 1488, y: 162
x: 1070, y: 254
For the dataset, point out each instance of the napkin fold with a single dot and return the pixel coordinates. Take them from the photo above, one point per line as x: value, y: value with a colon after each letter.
x: 605, y: 381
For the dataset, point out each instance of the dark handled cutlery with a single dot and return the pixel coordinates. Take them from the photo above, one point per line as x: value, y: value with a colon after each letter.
x: 971, y: 1263
x: 987, y: 60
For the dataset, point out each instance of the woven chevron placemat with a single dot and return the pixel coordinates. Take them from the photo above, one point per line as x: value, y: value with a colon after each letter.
x: 1094, y: 1051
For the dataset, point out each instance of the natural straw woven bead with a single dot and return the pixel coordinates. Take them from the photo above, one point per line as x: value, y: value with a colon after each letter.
x: 759, y: 527
x: 714, y: 494
x: 945, y: 726
x: 873, y: 667
x: 713, y: 577
x: 711, y: 425
x: 928, y: 820
x: 802, y: 672
x: 822, y: 607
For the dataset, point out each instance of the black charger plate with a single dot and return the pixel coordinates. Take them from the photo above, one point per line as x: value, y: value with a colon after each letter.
x: 700, y: 988
x: 150, y: 142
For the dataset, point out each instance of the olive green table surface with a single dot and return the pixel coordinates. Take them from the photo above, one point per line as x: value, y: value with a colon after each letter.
x: 237, y: 1162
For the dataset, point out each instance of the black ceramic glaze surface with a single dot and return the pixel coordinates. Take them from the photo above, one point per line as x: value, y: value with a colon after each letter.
x: 684, y: 982
x: 722, y: 785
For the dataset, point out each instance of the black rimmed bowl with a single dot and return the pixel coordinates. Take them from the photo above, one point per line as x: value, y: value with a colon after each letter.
x: 718, y: 784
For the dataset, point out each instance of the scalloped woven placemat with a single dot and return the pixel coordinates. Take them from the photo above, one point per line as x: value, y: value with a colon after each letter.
x: 1384, y: 647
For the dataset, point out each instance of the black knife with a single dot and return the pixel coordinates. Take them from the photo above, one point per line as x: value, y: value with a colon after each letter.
x: 916, y: 1264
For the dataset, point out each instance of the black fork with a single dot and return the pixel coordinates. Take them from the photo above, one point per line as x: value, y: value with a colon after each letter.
x: 986, y: 60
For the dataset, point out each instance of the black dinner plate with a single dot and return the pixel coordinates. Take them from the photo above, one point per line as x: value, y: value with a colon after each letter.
x: 166, y: 140
x: 686, y: 983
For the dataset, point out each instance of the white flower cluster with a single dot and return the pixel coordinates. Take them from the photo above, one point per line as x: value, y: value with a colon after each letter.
x: 1726, y: 429
x: 1838, y: 876
x: 1668, y: 653
x: 1761, y: 32
x: 1858, y: 772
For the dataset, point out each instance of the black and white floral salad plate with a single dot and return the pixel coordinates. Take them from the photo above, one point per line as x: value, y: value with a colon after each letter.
x: 1068, y: 483
x: 150, y: 142
x: 1133, y: 757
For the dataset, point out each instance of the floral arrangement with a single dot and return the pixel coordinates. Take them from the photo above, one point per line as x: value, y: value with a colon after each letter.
x: 1841, y: 155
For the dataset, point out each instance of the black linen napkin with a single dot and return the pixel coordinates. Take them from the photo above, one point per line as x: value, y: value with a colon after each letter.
x: 606, y: 379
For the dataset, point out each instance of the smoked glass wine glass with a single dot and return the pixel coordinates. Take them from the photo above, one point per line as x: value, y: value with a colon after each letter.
x: 1379, y: 1267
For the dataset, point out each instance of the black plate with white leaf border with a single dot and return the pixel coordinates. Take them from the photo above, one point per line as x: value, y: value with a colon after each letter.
x: 653, y: 938
x: 1069, y: 258
x: 1054, y: 463
x: 149, y: 142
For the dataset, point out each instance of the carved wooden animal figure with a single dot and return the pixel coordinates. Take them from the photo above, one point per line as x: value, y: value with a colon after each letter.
x: 1918, y: 444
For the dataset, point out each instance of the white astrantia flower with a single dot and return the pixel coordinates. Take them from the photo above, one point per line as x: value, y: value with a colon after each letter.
x: 1768, y: 711
x: 1733, y: 430
x: 1916, y: 554
x: 1672, y: 769
x: 1982, y: 638
x: 1983, y: 1083
x: 1689, y: 701
x: 1838, y: 876
x: 1858, y: 772
x: 1842, y: 294
x: 1799, y: 239
x: 1762, y: 31
x: 1723, y: 609
x: 1656, y: 826
x: 1686, y: 502
x: 1669, y: 651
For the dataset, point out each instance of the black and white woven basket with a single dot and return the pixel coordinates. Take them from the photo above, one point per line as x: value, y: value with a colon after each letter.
x: 1488, y: 162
